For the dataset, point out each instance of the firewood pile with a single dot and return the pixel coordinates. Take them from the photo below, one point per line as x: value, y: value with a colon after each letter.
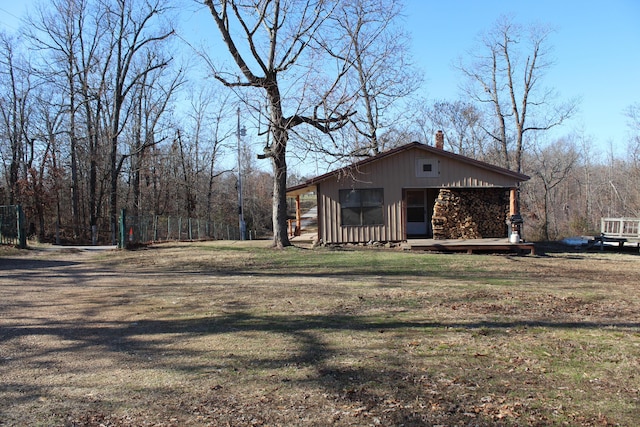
x: 470, y: 213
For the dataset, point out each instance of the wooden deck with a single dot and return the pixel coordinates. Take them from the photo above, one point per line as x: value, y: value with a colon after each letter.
x: 469, y: 245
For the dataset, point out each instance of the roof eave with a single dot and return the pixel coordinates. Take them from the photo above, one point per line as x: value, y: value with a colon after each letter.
x: 299, y: 190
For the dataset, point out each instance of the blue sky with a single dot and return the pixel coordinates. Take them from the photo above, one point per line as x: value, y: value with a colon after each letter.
x: 596, y: 48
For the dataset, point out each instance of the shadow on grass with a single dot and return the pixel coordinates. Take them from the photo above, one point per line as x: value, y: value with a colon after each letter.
x: 388, y: 390
x: 305, y: 329
x: 158, y: 343
x: 33, y: 264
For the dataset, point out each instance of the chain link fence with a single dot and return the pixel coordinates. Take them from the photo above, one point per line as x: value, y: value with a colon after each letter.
x: 133, y: 230
x: 12, y: 226
x: 154, y: 228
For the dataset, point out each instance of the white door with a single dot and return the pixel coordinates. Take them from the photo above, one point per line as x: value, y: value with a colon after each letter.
x: 416, y: 212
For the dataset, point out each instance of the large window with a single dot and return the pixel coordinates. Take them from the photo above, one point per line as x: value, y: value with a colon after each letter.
x: 362, y: 206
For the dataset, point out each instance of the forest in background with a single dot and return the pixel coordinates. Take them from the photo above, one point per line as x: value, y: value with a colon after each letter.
x: 104, y: 106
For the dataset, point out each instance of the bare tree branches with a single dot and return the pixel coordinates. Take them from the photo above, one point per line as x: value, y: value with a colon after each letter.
x: 367, y: 36
x: 508, y: 78
x: 129, y: 38
x: 278, y: 41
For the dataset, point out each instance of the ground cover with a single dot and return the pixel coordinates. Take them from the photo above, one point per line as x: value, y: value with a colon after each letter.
x: 223, y: 333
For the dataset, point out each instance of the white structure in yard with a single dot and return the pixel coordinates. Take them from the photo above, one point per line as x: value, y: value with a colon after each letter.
x: 621, y: 230
x: 628, y: 228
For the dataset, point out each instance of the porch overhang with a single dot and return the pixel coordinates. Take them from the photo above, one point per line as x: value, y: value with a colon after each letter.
x: 301, y: 189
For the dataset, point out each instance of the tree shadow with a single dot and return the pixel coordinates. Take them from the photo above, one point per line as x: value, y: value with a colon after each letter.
x: 33, y: 264
x: 391, y: 393
x: 306, y: 330
x: 385, y: 393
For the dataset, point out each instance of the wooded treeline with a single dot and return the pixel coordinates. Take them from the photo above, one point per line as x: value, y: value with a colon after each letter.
x: 98, y: 114
x: 100, y: 111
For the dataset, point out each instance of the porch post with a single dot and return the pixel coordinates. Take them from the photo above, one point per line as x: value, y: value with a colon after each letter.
x: 515, y: 220
x: 298, y: 216
x: 513, y: 202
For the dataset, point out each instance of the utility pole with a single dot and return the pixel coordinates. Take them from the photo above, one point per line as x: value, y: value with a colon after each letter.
x: 241, y: 223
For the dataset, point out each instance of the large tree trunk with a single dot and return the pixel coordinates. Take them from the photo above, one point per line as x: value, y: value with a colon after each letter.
x: 280, y: 132
x: 280, y: 229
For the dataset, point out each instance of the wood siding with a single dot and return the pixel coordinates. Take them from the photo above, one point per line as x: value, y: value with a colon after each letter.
x: 394, y: 174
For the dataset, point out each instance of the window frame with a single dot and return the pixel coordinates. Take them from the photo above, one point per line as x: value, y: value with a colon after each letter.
x: 369, y: 210
x: 433, y: 168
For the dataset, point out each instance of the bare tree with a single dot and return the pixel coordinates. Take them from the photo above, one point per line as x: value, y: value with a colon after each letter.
x: 133, y: 35
x: 461, y: 123
x: 633, y: 114
x: 42, y: 176
x: 56, y: 32
x: 208, y: 111
x: 73, y: 60
x: 369, y: 36
x: 15, y: 105
x: 272, y: 41
x: 92, y: 66
x: 551, y: 166
x: 506, y: 75
x: 586, y: 177
x: 150, y: 103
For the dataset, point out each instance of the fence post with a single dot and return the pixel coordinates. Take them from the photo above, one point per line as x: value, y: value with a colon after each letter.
x: 155, y: 228
x: 123, y: 228
x: 22, y: 229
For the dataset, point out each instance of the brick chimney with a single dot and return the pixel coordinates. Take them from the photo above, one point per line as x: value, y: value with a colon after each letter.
x: 440, y: 140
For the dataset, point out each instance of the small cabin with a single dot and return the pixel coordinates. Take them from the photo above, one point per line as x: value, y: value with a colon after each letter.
x: 413, y: 191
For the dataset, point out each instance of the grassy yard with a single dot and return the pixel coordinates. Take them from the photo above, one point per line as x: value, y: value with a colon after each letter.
x: 224, y: 333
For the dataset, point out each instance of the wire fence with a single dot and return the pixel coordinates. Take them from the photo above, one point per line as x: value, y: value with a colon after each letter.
x: 133, y: 230
x: 12, y: 226
x: 154, y: 228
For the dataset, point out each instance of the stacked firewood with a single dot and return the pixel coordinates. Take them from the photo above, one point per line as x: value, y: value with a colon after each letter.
x: 470, y: 213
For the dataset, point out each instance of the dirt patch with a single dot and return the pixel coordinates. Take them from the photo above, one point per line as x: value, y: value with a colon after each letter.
x: 237, y: 334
